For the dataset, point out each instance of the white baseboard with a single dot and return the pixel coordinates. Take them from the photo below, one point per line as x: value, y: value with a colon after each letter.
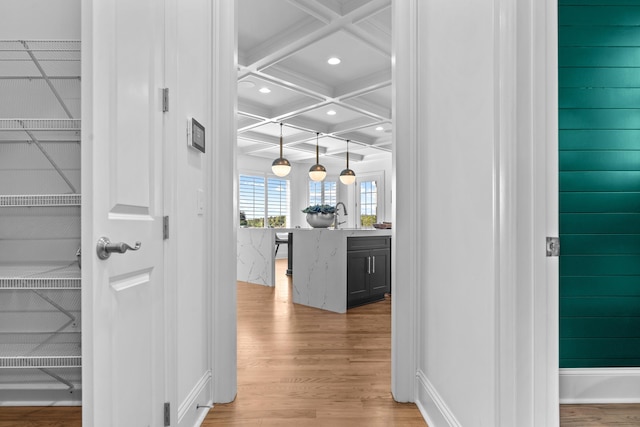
x: 434, y: 410
x: 599, y: 385
x: 201, y: 394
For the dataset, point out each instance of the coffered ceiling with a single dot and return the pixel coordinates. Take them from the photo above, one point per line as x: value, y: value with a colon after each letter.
x: 283, y: 49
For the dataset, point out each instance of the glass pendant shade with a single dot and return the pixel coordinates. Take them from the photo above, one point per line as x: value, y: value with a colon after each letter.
x: 347, y: 176
x: 281, y: 166
x: 317, y: 172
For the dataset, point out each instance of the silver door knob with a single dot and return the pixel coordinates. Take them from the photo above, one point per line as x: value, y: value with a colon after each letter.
x: 104, y: 248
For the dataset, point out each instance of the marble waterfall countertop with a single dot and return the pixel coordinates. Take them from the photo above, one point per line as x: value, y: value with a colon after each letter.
x: 319, y: 262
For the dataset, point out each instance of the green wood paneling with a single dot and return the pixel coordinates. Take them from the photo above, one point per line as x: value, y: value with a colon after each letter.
x: 599, y: 3
x: 599, y: 97
x: 590, y: 139
x: 611, y: 181
x: 590, y: 36
x: 600, y: 327
x: 599, y: 77
x: 599, y: 348
x: 590, y: 363
x: 600, y: 223
x: 599, y: 160
x: 598, y: 118
x: 605, y: 244
x: 599, y: 180
x: 599, y: 56
x: 596, y: 202
x: 585, y: 286
x: 603, y: 14
x: 599, y: 307
x: 596, y: 265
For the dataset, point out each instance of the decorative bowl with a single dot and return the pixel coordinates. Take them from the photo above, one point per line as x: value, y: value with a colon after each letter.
x: 320, y: 220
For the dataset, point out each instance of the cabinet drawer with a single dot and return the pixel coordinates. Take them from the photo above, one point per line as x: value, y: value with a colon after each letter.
x: 372, y: 242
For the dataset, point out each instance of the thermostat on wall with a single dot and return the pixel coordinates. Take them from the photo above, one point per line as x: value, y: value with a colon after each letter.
x: 195, y: 135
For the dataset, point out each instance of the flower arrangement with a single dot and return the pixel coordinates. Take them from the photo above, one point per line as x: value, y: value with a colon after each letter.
x: 325, y: 209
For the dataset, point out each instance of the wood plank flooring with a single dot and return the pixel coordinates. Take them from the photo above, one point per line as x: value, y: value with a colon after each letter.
x: 40, y: 416
x: 615, y: 415
x: 299, y: 366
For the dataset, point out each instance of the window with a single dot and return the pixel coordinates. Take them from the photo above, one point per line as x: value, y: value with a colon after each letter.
x: 368, y: 203
x: 252, y: 198
x: 323, y: 193
x: 264, y: 201
x: 278, y: 202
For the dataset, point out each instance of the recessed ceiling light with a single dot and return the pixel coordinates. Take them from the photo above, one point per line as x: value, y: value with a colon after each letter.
x: 331, y: 112
x: 379, y: 128
x: 334, y: 61
x: 265, y: 90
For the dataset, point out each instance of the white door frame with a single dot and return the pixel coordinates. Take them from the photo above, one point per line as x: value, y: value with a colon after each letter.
x: 405, y: 251
x: 222, y: 228
x: 544, y: 88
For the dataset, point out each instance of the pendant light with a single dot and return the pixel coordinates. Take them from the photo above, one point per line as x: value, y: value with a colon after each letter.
x: 281, y: 166
x: 317, y: 172
x: 347, y: 176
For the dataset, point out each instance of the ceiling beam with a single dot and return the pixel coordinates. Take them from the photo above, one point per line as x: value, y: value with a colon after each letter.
x: 286, y: 44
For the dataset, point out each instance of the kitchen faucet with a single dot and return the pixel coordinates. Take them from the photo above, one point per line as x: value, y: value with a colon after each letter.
x: 336, y: 222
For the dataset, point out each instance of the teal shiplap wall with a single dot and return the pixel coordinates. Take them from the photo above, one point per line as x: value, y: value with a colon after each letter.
x: 599, y: 100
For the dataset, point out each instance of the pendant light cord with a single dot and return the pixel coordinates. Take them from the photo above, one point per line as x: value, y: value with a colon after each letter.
x: 347, y: 154
x: 317, y: 149
x: 280, y: 140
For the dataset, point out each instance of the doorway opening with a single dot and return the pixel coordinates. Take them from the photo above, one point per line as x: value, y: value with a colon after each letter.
x: 286, y: 77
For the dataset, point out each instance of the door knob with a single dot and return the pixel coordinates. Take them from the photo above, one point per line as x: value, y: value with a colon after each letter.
x: 104, y: 248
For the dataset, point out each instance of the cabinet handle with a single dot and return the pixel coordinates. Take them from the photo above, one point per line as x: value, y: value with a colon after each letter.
x: 374, y: 264
x: 369, y: 265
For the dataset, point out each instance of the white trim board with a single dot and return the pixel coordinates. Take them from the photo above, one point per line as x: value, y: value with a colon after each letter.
x: 600, y: 385
x: 432, y: 407
x: 200, y: 395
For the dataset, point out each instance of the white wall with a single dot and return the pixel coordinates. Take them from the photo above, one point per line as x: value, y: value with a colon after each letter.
x: 457, y: 349
x: 40, y: 20
x: 189, y: 71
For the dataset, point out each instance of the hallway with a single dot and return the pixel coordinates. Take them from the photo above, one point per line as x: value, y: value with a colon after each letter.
x: 302, y: 366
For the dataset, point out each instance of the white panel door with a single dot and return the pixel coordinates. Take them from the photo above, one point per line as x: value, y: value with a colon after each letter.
x: 123, y: 346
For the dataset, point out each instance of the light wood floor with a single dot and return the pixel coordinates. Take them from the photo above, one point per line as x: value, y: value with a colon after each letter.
x: 618, y: 415
x: 299, y: 366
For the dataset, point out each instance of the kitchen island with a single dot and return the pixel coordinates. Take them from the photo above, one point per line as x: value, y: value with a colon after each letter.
x: 319, y: 262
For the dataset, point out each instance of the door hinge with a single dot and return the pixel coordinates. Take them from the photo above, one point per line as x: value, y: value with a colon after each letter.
x: 553, y: 246
x: 165, y: 228
x: 165, y: 99
x: 167, y: 414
